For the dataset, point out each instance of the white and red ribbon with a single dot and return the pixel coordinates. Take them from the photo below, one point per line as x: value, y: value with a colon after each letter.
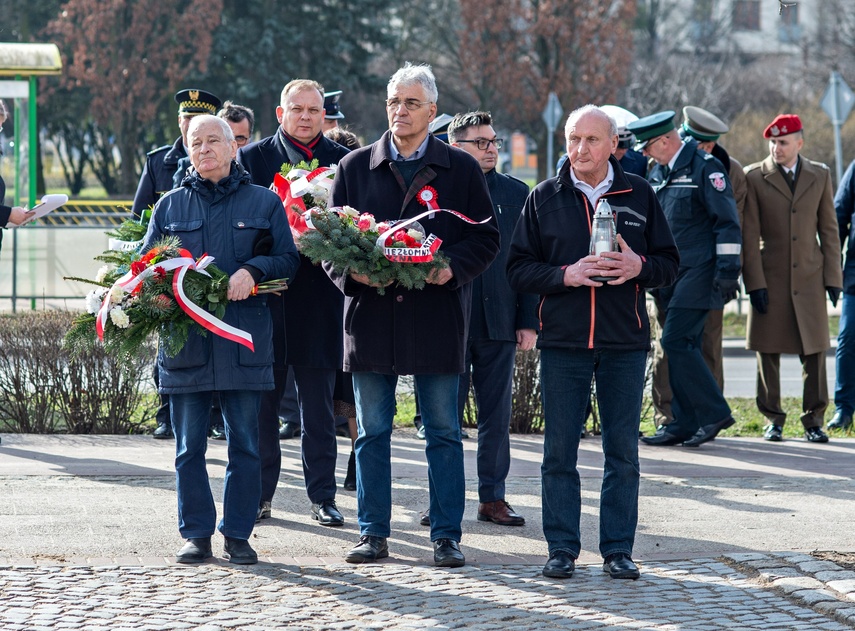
x: 206, y: 320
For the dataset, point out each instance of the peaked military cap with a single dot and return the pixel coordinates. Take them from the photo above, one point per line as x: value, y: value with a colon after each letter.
x: 650, y: 127
x: 332, y: 109
x: 439, y: 126
x: 192, y: 102
x: 621, y: 117
x: 702, y: 125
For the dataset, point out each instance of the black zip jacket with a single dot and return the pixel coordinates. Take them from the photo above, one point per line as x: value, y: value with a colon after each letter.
x: 554, y: 231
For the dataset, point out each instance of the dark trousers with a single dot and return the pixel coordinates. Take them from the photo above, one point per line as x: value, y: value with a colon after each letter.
x: 315, y: 388
x: 814, y: 393
x: 712, y: 352
x: 697, y: 399
x: 269, y: 450
x: 490, y: 364
x: 162, y: 415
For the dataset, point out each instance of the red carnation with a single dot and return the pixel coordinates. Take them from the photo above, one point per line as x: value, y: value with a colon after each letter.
x: 159, y: 273
x: 410, y: 242
x: 138, y: 267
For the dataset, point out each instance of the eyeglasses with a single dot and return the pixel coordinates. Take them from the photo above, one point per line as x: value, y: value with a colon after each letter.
x: 411, y: 104
x: 484, y: 143
x: 652, y: 142
x: 240, y: 140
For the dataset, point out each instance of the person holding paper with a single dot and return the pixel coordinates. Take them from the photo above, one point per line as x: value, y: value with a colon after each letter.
x: 9, y: 215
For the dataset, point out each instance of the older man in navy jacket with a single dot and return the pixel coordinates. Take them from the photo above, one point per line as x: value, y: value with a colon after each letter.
x: 218, y: 211
x: 413, y: 332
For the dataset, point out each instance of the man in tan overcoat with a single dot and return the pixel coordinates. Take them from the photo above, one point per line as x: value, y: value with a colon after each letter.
x: 787, y: 272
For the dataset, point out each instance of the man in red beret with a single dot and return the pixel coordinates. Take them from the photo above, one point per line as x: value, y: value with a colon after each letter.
x: 790, y: 211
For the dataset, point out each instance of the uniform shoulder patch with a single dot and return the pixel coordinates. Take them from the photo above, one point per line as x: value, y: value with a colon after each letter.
x: 821, y: 165
x: 752, y: 167
x: 707, y: 156
x: 718, y: 181
x: 159, y: 149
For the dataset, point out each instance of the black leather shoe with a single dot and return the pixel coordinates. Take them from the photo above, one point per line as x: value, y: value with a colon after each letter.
x: 774, y: 433
x: 665, y: 439
x: 239, y: 551
x: 195, y: 551
x: 289, y: 430
x: 816, y: 435
x: 446, y: 553
x: 707, y: 433
x: 164, y: 430
x: 350, y: 476
x: 218, y: 432
x: 264, y: 511
x: 327, y: 513
x: 560, y: 565
x: 620, y: 566
x: 368, y: 550
x: 840, y: 420
x: 424, y: 517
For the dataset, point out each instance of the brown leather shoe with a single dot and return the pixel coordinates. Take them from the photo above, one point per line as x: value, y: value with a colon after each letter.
x: 500, y: 512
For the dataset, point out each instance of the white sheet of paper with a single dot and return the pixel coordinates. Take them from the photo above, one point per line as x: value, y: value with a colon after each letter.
x: 48, y: 203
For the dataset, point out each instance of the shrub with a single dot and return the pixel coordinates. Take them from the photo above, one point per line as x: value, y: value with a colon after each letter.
x: 43, y: 389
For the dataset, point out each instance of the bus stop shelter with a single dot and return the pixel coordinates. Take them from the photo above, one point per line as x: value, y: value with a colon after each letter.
x: 20, y: 67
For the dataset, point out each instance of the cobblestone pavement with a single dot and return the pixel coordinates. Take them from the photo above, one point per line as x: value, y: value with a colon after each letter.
x: 87, y: 530
x: 738, y: 592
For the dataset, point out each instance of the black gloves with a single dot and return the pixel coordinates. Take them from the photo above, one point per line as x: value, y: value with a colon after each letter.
x: 759, y: 300
x: 729, y: 288
x: 833, y: 295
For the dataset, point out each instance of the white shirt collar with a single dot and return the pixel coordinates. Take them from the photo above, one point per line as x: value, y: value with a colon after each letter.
x: 593, y: 193
x: 673, y: 159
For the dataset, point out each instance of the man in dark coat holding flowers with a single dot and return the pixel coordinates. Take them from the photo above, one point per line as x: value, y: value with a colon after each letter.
x: 218, y: 211
x: 307, y: 333
x: 413, y: 332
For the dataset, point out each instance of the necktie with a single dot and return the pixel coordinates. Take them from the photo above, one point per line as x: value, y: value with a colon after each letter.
x: 666, y: 171
x: 790, y: 180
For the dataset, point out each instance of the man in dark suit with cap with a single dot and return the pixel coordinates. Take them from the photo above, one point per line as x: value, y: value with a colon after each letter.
x: 307, y: 319
x: 697, y: 198
x: 158, y: 177
x: 332, y: 110
x: 706, y: 128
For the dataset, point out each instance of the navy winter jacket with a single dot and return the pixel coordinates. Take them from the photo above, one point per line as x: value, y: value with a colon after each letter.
x: 226, y: 220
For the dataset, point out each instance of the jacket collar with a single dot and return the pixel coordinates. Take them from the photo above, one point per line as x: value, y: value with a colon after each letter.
x: 176, y: 152
x: 435, y: 154
x: 620, y: 184
x: 806, y: 176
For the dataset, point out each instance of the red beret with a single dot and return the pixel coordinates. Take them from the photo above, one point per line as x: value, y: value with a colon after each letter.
x: 783, y: 125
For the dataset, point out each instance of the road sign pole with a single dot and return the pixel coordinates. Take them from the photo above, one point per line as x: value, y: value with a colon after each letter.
x: 551, y: 116
x: 837, y: 102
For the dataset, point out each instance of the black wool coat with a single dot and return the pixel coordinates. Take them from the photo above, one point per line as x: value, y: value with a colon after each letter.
x: 419, y: 331
x: 312, y: 304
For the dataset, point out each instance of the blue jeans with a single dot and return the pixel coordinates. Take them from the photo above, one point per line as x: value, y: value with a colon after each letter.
x: 566, y: 383
x: 698, y: 399
x: 375, y: 410
x: 197, y: 514
x: 844, y: 386
x: 492, y: 374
